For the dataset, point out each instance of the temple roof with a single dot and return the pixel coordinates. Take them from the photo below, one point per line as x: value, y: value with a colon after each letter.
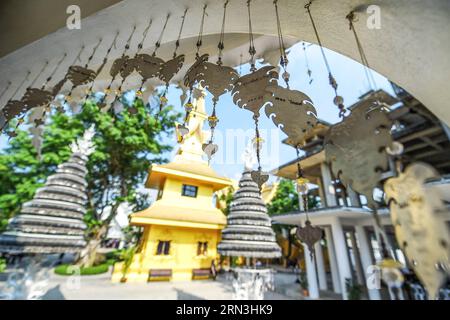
x: 186, y: 169
x: 172, y: 214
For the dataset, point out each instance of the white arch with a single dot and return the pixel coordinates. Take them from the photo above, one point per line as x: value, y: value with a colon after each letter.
x: 412, y: 48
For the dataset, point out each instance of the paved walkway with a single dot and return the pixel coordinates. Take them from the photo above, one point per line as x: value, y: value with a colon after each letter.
x: 100, y: 287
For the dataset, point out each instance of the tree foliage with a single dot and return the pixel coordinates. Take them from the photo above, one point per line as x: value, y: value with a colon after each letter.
x: 126, y: 145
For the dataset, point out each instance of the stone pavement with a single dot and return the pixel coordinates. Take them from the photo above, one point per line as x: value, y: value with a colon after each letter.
x: 100, y: 287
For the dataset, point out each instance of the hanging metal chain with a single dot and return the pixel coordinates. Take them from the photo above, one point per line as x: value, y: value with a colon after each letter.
x: 370, y: 79
x: 283, y: 56
x: 251, y: 48
x: 258, y: 141
x: 200, y: 34
x: 68, y: 97
x: 177, y: 43
x: 158, y: 42
x: 38, y: 74
x: 221, y: 45
x: 144, y: 35
x: 49, y: 78
x: 338, y: 100
x: 308, y: 69
x: 105, y: 59
x: 12, y: 134
x: 108, y: 88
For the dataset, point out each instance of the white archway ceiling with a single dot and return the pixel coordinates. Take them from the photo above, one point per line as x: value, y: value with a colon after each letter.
x: 412, y: 48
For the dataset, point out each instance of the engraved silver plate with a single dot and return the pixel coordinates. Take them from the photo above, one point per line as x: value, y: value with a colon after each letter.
x: 193, y: 74
x: 171, y: 68
x: 123, y: 65
x: 217, y: 79
x: 250, y: 91
x: 356, y: 148
x: 148, y: 66
x: 418, y: 217
x: 79, y: 75
x: 309, y: 235
x: 293, y: 112
x: 36, y: 98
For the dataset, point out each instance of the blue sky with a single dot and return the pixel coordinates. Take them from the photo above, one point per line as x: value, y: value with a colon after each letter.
x: 236, y: 126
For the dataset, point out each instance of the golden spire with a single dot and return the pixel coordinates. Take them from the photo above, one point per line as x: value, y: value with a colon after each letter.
x: 191, y: 145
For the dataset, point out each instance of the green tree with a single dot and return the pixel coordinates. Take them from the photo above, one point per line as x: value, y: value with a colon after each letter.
x: 285, y: 199
x: 126, y: 145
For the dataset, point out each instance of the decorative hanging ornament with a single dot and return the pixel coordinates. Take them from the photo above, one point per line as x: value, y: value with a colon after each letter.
x: 417, y: 214
x: 110, y: 96
x: 251, y: 92
x: 171, y: 67
x: 13, y: 108
x: 217, y: 79
x: 88, y: 91
x: 293, y: 112
x: 338, y: 100
x: 193, y: 75
x: 35, y: 97
x: 79, y: 75
x: 363, y: 135
x: 309, y: 235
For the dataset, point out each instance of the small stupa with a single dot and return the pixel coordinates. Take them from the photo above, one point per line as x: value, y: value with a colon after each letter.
x: 248, y: 233
x: 52, y: 222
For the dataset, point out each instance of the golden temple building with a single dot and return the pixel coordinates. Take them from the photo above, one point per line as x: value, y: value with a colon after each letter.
x: 182, y: 228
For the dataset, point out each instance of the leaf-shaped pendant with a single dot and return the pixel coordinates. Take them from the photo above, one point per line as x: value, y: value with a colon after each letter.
x: 193, y: 74
x: 79, y: 75
x: 171, y: 68
x: 121, y: 65
x: 13, y: 108
x: 293, y: 112
x: 309, y: 235
x: 250, y: 91
x: 363, y: 135
x: 36, y: 98
x: 259, y: 177
x: 217, y: 79
x: 148, y: 66
x: 417, y: 213
x: 210, y: 149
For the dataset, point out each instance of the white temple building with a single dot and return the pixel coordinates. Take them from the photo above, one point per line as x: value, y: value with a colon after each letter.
x: 349, y: 245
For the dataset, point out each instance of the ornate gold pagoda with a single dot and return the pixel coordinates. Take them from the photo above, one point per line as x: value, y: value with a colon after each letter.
x: 182, y: 227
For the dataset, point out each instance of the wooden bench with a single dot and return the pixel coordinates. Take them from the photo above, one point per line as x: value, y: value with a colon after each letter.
x: 159, y: 274
x: 201, y: 273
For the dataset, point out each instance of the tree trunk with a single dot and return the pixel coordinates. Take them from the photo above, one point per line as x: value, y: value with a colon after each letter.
x: 87, y: 257
x: 89, y: 254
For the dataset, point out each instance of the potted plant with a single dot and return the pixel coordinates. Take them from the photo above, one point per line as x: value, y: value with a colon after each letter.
x: 303, y: 280
x: 354, y: 290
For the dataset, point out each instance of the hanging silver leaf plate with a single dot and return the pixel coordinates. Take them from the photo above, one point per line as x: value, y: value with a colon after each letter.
x: 355, y: 148
x: 210, y: 149
x: 171, y: 68
x: 123, y: 65
x: 418, y: 218
x: 259, y: 177
x: 193, y: 74
x: 79, y: 75
x: 13, y: 108
x: 309, y: 235
x: 36, y: 98
x: 217, y: 79
x: 148, y: 66
x: 293, y: 112
x: 250, y: 91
